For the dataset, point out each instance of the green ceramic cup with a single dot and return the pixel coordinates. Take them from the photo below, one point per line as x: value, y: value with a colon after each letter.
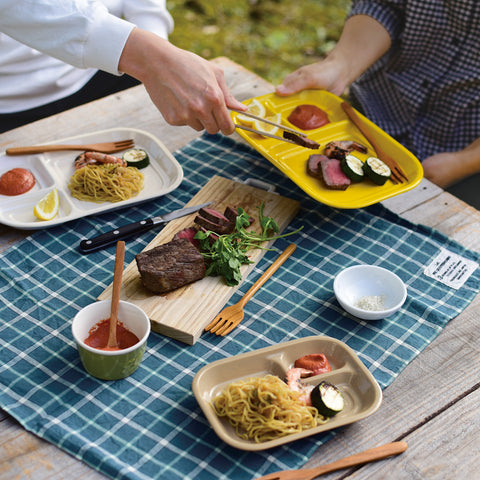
x: 111, y: 365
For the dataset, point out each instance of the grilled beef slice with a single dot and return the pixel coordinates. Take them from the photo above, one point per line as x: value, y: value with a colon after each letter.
x: 313, y: 165
x: 214, y: 216
x: 231, y: 213
x: 170, y: 266
x: 188, y: 233
x: 214, y: 226
x: 213, y: 237
x: 302, y: 141
x: 333, y: 175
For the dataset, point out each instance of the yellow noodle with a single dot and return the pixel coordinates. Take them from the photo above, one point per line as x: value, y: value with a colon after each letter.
x: 105, y: 183
x: 265, y: 408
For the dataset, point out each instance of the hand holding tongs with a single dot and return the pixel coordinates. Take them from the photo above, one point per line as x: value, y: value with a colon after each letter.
x: 294, y: 136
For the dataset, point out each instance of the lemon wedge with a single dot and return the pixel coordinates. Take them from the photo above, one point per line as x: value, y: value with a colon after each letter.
x: 48, y: 206
x: 266, y: 127
x: 255, y: 108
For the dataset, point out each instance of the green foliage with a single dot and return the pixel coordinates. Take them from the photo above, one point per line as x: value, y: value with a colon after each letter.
x: 228, y: 253
x: 270, y: 37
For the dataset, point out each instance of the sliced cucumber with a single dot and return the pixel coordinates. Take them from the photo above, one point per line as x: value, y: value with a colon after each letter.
x: 376, y: 170
x: 136, y: 158
x: 327, y: 399
x: 353, y: 168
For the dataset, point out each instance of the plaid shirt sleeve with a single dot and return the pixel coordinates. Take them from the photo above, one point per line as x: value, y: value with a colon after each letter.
x: 425, y: 91
x: 389, y: 14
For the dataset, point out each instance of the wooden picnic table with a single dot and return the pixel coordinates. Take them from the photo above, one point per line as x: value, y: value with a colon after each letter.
x: 432, y: 405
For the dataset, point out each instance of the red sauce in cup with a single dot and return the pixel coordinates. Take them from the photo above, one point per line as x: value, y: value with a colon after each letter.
x: 16, y: 181
x: 98, y: 336
x: 308, y: 117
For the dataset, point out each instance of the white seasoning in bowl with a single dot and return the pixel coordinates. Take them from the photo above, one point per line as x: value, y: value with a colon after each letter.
x: 373, y: 303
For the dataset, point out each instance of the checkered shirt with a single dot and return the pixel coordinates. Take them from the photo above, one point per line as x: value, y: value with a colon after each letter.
x: 425, y: 91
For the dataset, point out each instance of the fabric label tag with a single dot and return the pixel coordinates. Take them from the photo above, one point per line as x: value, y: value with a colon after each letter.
x: 450, y: 269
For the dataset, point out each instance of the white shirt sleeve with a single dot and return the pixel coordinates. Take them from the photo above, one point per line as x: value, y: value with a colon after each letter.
x: 82, y: 33
x: 151, y: 15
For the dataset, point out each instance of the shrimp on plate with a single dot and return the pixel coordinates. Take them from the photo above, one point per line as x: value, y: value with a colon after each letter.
x: 97, y: 158
x: 293, y: 377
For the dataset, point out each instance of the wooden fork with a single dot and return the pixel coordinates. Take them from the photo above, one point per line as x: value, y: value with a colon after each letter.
x: 231, y: 316
x: 371, y: 455
x: 398, y: 175
x: 105, y: 147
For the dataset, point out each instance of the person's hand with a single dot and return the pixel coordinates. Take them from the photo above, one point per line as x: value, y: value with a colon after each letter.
x: 363, y: 41
x: 325, y: 75
x: 444, y: 169
x: 187, y: 89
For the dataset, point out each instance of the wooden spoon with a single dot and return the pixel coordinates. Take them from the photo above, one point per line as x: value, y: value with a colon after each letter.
x: 366, y: 456
x: 117, y: 284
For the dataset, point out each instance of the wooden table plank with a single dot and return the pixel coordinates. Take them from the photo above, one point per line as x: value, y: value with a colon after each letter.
x: 433, y: 450
x: 422, y: 193
x: 25, y: 456
x: 441, y: 383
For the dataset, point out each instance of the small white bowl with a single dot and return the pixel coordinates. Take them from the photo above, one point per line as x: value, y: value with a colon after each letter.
x: 364, y: 283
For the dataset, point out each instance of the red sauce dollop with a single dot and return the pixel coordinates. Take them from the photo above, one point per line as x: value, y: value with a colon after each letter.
x: 16, y: 182
x: 98, y: 336
x: 308, y: 117
x: 316, y: 362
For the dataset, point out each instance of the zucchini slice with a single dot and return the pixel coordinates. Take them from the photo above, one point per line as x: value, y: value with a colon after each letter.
x: 376, y: 170
x: 136, y: 157
x: 353, y: 168
x: 327, y: 399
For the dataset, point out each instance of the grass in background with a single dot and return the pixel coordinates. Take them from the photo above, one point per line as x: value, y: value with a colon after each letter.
x: 269, y: 37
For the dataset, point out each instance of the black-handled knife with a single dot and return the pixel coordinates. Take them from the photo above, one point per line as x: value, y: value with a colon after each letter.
x: 120, y: 233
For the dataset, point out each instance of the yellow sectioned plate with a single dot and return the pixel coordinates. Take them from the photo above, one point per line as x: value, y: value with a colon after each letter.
x: 292, y: 160
x: 360, y: 390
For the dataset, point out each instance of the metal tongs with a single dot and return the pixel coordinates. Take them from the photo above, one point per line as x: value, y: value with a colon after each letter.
x: 294, y: 136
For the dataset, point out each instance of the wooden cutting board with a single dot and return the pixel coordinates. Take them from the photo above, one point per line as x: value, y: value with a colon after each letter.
x: 184, y: 313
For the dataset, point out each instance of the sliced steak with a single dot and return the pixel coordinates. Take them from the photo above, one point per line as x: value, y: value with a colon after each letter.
x: 302, y: 141
x: 170, y: 266
x: 213, y: 226
x: 313, y: 165
x: 216, y: 217
x: 213, y: 237
x: 188, y: 233
x: 231, y: 213
x: 333, y: 175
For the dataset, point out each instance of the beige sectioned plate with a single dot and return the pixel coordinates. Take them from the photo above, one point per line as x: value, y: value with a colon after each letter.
x: 361, y: 391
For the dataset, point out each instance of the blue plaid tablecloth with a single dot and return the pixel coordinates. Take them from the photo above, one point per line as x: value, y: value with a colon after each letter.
x: 149, y: 426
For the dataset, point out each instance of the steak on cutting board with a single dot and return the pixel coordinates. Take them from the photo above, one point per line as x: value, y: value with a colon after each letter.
x: 170, y: 266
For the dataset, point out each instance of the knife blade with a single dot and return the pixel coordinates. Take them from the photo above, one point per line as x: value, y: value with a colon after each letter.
x: 120, y: 233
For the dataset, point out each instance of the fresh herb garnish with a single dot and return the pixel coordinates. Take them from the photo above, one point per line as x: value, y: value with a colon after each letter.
x: 228, y: 253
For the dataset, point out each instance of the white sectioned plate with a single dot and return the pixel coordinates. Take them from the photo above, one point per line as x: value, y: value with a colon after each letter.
x: 360, y: 390
x: 54, y: 169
